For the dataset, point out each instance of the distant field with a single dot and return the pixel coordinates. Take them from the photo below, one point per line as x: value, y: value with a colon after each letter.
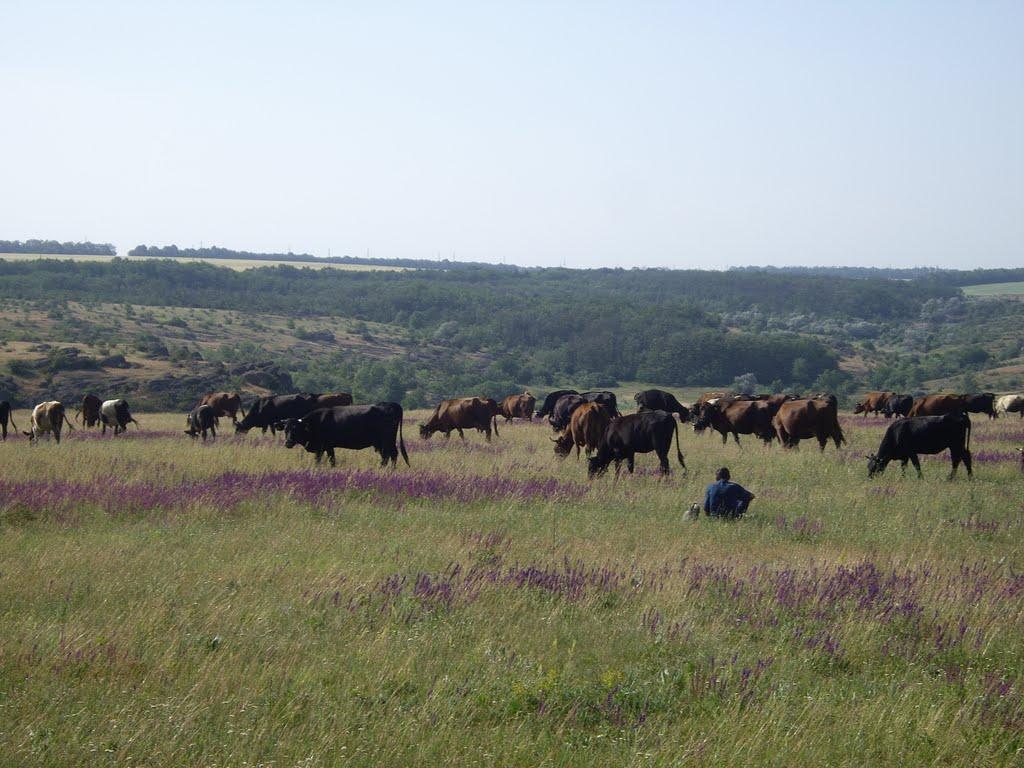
x: 168, y: 602
x: 238, y: 264
x: 995, y: 289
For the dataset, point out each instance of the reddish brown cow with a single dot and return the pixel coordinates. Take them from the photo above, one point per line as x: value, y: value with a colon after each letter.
x: 873, y: 402
x: 586, y: 430
x: 518, y: 406
x: 741, y: 417
x: 462, y: 413
x: 224, y: 404
x: 90, y: 411
x: 804, y: 419
x: 938, y: 405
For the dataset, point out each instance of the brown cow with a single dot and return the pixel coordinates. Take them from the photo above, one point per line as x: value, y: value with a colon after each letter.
x: 518, y: 406
x: 223, y: 404
x: 89, y: 411
x: 938, y: 405
x: 586, y: 429
x: 873, y: 402
x: 803, y: 419
x: 741, y: 417
x: 48, y: 418
x: 462, y: 413
x: 331, y: 399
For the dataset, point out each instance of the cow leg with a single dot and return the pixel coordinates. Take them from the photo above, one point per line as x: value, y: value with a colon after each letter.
x: 917, y: 464
x: 630, y: 463
x: 461, y: 433
x: 663, y: 463
x: 487, y: 432
x: 319, y: 457
x: 967, y: 463
x: 618, y: 467
x: 822, y: 442
x: 330, y: 456
x: 736, y: 437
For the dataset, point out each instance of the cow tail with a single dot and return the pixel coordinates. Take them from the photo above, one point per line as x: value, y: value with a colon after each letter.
x: 679, y: 451
x: 137, y: 425
x: 78, y: 412
x: 70, y: 425
x: 968, y: 432
x: 401, y: 442
x: 10, y: 415
x: 495, y: 419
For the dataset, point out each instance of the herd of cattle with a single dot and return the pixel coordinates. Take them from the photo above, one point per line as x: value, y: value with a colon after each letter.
x: 587, y: 421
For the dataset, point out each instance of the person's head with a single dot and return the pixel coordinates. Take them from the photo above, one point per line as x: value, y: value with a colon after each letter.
x: 722, y: 474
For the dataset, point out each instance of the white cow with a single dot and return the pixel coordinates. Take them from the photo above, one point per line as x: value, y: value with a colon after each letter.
x: 48, y: 418
x: 115, y: 414
x: 1011, y: 404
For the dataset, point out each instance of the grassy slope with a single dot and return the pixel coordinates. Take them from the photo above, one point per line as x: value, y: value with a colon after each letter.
x: 260, y: 633
x: 995, y: 289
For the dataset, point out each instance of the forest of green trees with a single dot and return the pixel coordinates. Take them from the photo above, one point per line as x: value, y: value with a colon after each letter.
x: 52, y: 247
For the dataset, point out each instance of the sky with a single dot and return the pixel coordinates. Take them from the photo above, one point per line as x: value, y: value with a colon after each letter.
x: 651, y: 134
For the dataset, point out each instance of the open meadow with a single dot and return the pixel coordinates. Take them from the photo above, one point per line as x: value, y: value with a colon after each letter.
x: 165, y: 602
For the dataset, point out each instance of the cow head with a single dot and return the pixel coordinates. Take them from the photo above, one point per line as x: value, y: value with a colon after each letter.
x: 563, y: 444
x: 426, y: 431
x: 875, y: 465
x: 295, y: 433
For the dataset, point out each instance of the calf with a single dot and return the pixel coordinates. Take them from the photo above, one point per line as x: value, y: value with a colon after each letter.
x: 906, y: 438
x: 48, y: 418
x: 461, y: 413
x: 6, y: 414
x: 200, y: 420
x: 354, y: 427
x: 637, y: 433
x: 116, y: 415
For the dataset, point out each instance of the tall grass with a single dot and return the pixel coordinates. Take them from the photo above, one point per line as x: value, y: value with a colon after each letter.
x: 165, y: 602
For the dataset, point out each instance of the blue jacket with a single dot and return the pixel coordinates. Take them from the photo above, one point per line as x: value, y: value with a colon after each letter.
x: 727, y: 499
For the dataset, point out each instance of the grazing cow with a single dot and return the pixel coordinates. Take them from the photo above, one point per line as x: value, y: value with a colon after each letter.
x: 6, y: 414
x: 739, y: 417
x: 898, y: 406
x: 89, y: 411
x: 224, y: 404
x: 200, y: 420
x: 983, y: 402
x: 267, y: 412
x: 605, y: 398
x: 462, y: 413
x: 873, y: 402
x: 660, y: 400
x: 637, y: 433
x: 906, y: 438
x: 703, y: 400
x: 1011, y: 404
x: 809, y: 418
x: 48, y: 417
x: 116, y: 415
x: 937, y: 405
x: 562, y: 412
x: 350, y: 426
x: 548, y: 406
x: 586, y: 428
x: 518, y: 406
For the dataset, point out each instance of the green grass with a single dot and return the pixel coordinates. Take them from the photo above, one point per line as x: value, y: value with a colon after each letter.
x: 260, y: 634
x: 995, y: 289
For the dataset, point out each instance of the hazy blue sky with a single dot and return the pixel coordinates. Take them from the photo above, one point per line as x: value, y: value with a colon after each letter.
x: 652, y: 134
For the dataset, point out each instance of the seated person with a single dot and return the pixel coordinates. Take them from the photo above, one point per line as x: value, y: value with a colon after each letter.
x: 725, y: 498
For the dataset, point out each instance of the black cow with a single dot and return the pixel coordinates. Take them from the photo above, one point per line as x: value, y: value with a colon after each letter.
x: 602, y: 397
x: 660, y: 400
x: 562, y: 412
x: 267, y: 412
x: 983, y: 402
x: 637, y: 433
x: 906, y: 438
x: 549, y: 402
x: 6, y: 414
x: 350, y: 426
x: 200, y: 420
x: 898, y: 406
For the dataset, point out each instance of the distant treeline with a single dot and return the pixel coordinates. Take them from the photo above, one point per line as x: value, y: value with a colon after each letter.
x: 933, y: 274
x: 215, y: 252
x: 557, y: 324
x: 48, y: 247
